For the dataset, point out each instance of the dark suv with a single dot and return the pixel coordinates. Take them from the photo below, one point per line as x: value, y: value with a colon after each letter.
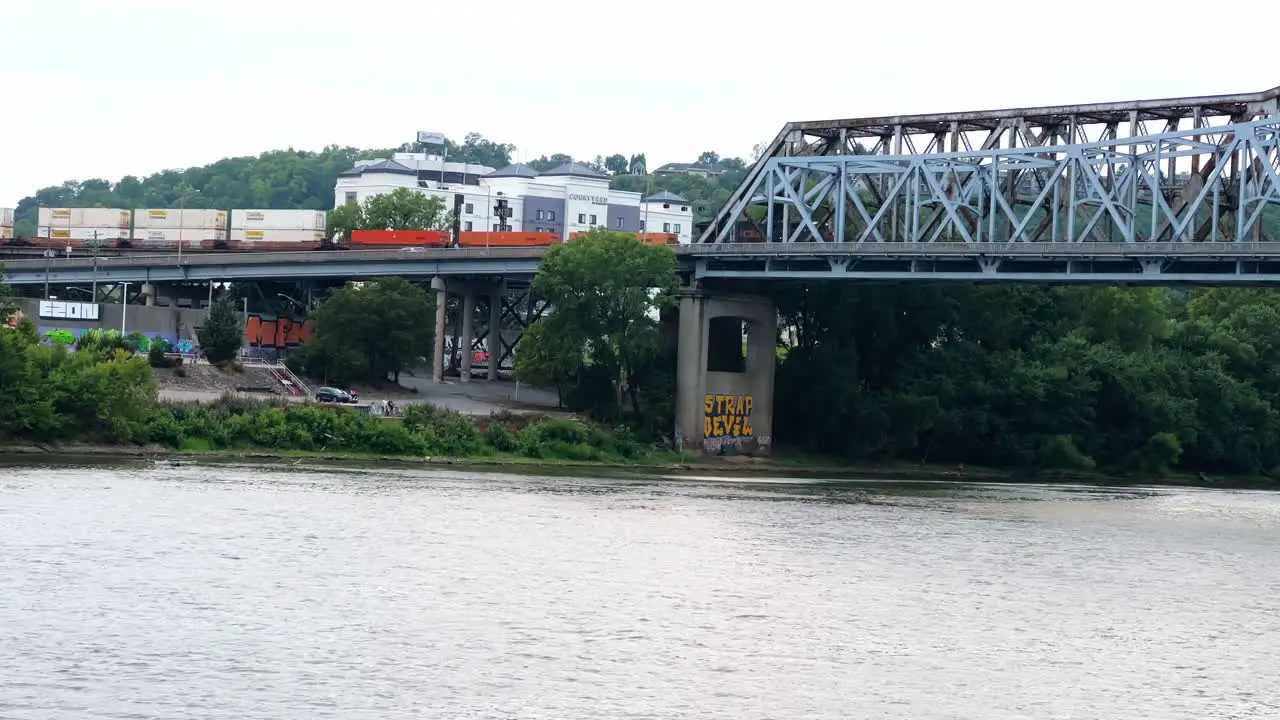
x: 328, y: 394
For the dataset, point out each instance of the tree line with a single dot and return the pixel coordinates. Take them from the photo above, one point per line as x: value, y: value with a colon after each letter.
x: 301, y: 179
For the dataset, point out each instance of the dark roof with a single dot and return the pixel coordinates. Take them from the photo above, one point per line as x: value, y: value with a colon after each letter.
x: 666, y: 197
x: 388, y: 166
x: 573, y: 169
x: 514, y: 170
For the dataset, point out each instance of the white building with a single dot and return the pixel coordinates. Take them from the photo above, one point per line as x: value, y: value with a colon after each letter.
x: 565, y: 200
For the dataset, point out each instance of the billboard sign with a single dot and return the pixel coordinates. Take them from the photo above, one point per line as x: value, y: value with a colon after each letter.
x: 430, y: 138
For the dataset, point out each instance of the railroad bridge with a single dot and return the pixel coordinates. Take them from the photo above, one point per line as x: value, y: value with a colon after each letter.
x: 1178, y: 191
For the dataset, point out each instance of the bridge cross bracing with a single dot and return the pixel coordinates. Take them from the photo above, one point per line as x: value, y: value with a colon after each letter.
x: 1183, y: 170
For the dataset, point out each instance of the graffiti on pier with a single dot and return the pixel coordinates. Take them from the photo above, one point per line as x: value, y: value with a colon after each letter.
x: 265, y: 331
x: 728, y: 416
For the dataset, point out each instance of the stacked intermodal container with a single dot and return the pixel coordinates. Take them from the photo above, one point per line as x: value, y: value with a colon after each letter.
x: 277, y: 229
x: 81, y: 227
x: 171, y: 228
x: 6, y: 223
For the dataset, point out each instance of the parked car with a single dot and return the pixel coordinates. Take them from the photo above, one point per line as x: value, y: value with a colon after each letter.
x: 328, y: 394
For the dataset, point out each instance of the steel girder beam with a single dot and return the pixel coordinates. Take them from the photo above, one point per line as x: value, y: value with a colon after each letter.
x: 990, y: 130
x: 1142, y: 191
x: 1156, y: 263
x: 64, y: 272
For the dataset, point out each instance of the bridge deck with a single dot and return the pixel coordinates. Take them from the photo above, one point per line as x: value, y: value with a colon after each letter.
x: 1156, y: 262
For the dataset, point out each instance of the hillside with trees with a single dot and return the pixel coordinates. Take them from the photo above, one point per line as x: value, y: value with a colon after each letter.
x: 301, y: 179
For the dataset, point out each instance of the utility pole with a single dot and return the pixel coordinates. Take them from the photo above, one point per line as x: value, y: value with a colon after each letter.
x: 95, y: 266
x: 124, y: 306
x: 48, y: 259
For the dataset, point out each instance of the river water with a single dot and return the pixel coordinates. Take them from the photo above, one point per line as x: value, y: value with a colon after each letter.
x: 239, y: 592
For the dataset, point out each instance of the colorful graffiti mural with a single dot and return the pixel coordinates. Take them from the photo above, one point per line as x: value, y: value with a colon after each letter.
x: 267, y: 331
x: 728, y: 416
x: 141, y: 341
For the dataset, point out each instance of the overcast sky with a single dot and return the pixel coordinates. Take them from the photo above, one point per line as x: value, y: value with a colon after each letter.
x: 97, y: 88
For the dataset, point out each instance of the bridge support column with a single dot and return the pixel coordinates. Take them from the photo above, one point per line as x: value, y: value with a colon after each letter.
x: 442, y: 305
x: 493, y: 340
x: 724, y: 374
x: 149, y: 293
x: 468, y: 335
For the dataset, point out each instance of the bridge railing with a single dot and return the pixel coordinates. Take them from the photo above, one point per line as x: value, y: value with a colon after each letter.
x: 1000, y: 249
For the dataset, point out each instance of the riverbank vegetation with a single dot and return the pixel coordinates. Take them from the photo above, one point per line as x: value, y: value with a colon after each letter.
x: 423, y: 431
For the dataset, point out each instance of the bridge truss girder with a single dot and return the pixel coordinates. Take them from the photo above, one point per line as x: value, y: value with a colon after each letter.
x: 1210, y: 184
x: 970, y: 132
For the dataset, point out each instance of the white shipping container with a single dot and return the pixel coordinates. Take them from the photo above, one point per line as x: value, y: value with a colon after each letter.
x: 105, y: 234
x: 6, y: 217
x: 83, y: 217
x: 161, y: 218
x: 278, y: 219
x: 171, y: 236
x: 241, y: 235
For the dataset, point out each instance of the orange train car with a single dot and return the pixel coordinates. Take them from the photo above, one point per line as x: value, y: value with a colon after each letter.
x: 506, y: 239
x: 399, y: 238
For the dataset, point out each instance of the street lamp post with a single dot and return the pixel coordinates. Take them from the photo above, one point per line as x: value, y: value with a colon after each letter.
x: 48, y: 260
x: 124, y: 306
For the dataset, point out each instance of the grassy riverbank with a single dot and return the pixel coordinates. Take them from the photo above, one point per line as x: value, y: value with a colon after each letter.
x: 745, y: 469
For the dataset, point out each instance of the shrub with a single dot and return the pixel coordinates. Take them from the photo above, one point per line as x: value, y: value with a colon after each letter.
x: 1059, y: 452
x: 500, y: 438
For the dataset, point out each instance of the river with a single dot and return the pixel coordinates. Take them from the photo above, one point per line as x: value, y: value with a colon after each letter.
x: 242, y: 592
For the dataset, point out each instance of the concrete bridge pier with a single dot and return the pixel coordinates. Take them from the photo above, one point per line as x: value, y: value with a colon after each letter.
x: 442, y: 305
x: 724, y: 373
x: 464, y: 329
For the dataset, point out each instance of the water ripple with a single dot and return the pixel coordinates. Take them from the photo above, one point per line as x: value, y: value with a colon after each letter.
x: 243, y: 592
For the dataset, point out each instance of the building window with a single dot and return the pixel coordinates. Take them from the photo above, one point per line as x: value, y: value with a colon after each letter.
x: 467, y: 226
x: 618, y: 223
x: 551, y: 215
x: 469, y: 209
x: 351, y: 198
x: 593, y: 221
x: 495, y: 227
x: 542, y: 214
x: 677, y: 230
x: 666, y: 227
x: 582, y: 218
x: 684, y: 208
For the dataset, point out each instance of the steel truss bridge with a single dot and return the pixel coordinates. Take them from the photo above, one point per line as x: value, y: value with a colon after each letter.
x: 1153, y: 191
x: 1183, y: 188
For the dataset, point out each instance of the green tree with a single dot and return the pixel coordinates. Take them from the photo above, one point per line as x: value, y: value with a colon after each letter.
x: 545, y: 163
x: 7, y: 304
x: 607, y: 289
x: 371, y: 330
x: 344, y: 219
x: 404, y: 209
x: 223, y: 332
x: 550, y: 355
x: 616, y: 164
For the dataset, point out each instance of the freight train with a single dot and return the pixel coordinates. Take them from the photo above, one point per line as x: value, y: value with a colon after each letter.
x: 249, y: 231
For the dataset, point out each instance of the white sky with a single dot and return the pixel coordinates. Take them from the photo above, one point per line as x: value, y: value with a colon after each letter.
x: 102, y: 88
